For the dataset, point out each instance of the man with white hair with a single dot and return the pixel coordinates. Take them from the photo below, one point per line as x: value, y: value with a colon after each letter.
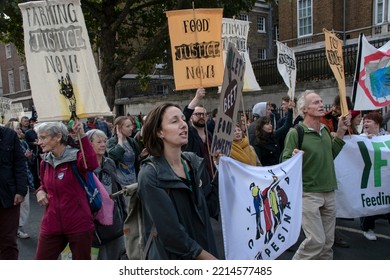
x: 318, y: 176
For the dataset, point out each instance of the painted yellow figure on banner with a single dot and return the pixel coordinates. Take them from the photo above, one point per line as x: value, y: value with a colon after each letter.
x: 196, y: 46
x: 334, y: 53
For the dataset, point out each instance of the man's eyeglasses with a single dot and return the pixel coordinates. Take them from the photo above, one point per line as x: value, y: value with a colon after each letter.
x: 199, y: 115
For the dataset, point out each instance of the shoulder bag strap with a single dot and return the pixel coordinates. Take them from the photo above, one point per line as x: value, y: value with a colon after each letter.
x: 77, y: 173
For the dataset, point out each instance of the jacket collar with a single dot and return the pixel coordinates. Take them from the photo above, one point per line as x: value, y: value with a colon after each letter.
x: 70, y: 154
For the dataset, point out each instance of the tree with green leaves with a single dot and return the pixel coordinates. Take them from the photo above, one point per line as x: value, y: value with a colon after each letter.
x: 130, y: 36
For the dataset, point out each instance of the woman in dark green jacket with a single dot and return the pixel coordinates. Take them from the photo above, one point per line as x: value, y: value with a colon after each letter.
x: 173, y: 191
x: 124, y: 151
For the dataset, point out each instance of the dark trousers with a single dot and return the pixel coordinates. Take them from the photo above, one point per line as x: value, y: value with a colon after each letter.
x: 9, y: 223
x: 34, y: 168
x: 50, y: 246
x: 368, y: 222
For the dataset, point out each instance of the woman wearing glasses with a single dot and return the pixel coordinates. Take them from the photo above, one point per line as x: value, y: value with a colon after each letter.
x: 68, y: 217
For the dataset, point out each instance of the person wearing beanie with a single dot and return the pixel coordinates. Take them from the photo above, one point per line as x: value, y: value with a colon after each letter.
x: 261, y: 109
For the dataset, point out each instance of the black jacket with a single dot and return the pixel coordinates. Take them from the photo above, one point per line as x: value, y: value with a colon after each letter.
x: 269, y: 151
x: 195, y: 143
x: 13, y: 172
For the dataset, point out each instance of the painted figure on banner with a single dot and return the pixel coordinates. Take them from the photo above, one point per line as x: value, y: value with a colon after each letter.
x: 269, y: 205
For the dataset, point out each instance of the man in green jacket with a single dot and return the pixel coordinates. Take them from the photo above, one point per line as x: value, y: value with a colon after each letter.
x: 318, y: 176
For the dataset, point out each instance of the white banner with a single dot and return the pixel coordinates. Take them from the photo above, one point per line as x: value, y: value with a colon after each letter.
x: 371, y: 88
x: 236, y: 32
x: 287, y: 67
x: 62, y: 71
x: 363, y: 177
x: 5, y: 105
x: 261, y: 208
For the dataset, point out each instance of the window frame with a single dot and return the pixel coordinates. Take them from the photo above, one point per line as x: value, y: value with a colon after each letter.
x: 162, y: 89
x: 244, y: 17
x: 263, y: 24
x: 1, y: 83
x: 8, y: 51
x: 11, y: 81
x: 376, y: 10
x: 264, y: 53
x: 22, y: 78
x: 299, y: 18
x: 388, y: 11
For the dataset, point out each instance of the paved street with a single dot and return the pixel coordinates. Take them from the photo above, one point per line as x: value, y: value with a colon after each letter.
x: 360, y: 247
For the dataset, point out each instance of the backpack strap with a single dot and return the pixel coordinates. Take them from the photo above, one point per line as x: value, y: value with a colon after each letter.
x: 301, y: 133
x: 153, y: 234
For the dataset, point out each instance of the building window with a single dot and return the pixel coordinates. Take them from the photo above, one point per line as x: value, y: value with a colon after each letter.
x: 260, y: 24
x: 244, y: 17
x: 276, y: 28
x: 11, y: 81
x: 261, y: 54
x: 1, y: 83
x: 22, y: 78
x: 388, y: 12
x: 305, y: 17
x: 8, y: 52
x: 379, y: 11
x: 162, y: 89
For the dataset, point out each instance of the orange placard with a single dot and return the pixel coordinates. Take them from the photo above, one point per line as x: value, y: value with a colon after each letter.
x: 196, y: 46
x: 334, y: 53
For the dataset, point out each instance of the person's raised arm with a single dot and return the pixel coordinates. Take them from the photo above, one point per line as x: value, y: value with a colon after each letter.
x: 200, y: 94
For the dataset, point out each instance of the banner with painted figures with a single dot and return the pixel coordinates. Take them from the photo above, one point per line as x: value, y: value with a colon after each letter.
x: 363, y: 177
x: 236, y: 32
x: 229, y: 102
x: 196, y: 47
x: 287, y: 67
x: 261, y: 208
x: 371, y: 87
x: 334, y: 54
x: 62, y: 71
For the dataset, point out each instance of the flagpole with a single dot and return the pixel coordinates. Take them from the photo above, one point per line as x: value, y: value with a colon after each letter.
x: 82, y: 150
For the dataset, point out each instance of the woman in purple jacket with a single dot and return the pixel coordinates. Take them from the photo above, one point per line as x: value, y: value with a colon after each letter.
x: 67, y: 217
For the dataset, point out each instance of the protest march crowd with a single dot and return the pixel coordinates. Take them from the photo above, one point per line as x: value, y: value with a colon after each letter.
x: 147, y: 187
x: 167, y: 152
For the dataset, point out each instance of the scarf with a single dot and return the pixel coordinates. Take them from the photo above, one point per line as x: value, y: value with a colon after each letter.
x: 242, y: 151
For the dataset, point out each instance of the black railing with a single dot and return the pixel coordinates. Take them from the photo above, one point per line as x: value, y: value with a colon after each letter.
x: 311, y: 65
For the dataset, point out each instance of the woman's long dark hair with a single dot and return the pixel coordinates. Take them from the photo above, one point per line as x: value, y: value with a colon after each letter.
x: 153, y: 144
x: 261, y: 135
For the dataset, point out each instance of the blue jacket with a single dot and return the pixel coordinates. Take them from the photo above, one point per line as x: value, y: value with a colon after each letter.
x: 13, y: 174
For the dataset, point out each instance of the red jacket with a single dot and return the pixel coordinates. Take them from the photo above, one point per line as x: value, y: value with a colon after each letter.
x: 68, y: 209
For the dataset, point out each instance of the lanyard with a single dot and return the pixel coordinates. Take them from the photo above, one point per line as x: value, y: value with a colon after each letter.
x: 187, y: 174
